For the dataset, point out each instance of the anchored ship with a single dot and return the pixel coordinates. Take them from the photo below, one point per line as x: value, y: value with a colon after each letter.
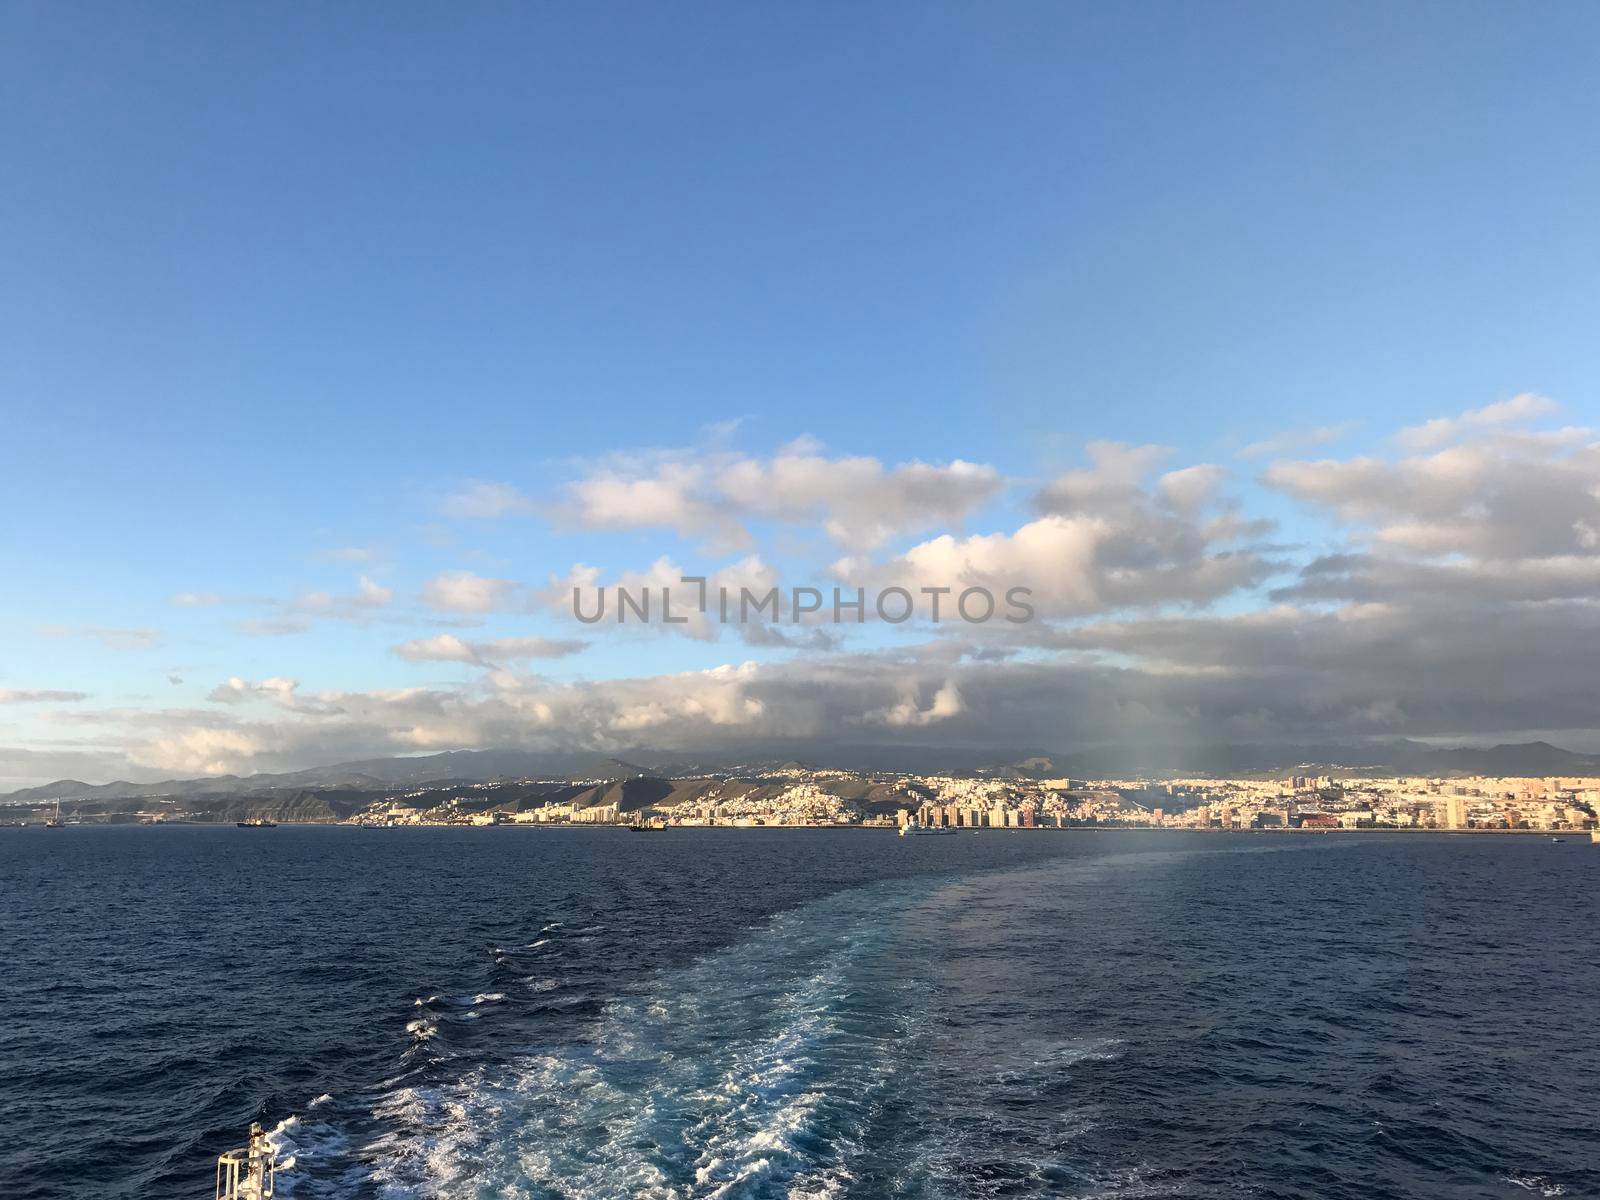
x: 918, y: 829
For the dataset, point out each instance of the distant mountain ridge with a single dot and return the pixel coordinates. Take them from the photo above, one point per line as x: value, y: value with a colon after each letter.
x: 471, y: 766
x: 1399, y: 757
x: 450, y: 766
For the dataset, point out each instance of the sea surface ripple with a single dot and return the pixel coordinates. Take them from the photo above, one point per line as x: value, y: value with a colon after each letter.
x: 798, y: 1013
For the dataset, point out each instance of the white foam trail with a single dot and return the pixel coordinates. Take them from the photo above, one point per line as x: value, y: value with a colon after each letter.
x: 1537, y: 1183
x: 756, y: 1071
x: 755, y: 1068
x: 280, y: 1138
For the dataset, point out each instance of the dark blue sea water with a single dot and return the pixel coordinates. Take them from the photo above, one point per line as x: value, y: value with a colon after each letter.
x: 544, y: 1013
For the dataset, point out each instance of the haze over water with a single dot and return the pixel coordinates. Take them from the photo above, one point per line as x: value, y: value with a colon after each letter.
x: 542, y: 1013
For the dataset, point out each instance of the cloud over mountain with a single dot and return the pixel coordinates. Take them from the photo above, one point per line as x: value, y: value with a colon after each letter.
x: 1282, y: 673
x: 1451, y: 588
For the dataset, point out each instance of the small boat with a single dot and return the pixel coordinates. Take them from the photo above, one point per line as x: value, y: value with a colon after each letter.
x: 256, y: 823
x: 56, y: 822
x: 1558, y: 839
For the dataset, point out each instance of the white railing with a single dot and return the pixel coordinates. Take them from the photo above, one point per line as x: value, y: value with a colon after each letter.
x: 248, y: 1172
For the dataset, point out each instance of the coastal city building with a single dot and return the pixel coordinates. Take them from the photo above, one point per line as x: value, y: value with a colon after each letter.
x: 797, y: 796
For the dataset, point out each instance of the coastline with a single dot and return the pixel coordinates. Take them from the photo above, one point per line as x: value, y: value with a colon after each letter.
x: 1562, y: 834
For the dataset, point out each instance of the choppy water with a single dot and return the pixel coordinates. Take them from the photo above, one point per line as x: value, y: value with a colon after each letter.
x: 544, y: 1013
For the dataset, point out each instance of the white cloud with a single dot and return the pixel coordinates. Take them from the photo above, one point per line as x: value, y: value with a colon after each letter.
x: 946, y: 704
x: 298, y: 616
x: 1297, y: 439
x: 857, y: 501
x: 1121, y: 540
x: 373, y: 595
x: 1282, y: 673
x: 716, y: 698
x: 273, y: 626
x: 1192, y: 487
x: 200, y: 751
x: 1074, y: 566
x: 1522, y: 407
x: 1475, y: 560
x: 666, y: 500
x: 751, y: 572
x: 1114, y: 480
x: 282, y: 692
x: 465, y: 592
x: 446, y: 647
x: 198, y: 599
x: 1106, y: 541
x: 860, y: 502
x: 368, y: 595
x: 1371, y: 578
x: 39, y: 696
x: 237, y: 689
x: 1501, y: 498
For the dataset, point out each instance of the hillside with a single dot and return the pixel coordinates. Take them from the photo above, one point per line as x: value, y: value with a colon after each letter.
x: 467, y: 767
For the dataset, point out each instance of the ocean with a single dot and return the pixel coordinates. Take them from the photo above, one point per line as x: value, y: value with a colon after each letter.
x: 802, y: 1013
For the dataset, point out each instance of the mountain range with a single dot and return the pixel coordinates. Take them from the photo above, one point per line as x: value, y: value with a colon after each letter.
x: 1214, y: 761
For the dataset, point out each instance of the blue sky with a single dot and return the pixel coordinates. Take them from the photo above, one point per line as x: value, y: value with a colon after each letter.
x: 284, y: 279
